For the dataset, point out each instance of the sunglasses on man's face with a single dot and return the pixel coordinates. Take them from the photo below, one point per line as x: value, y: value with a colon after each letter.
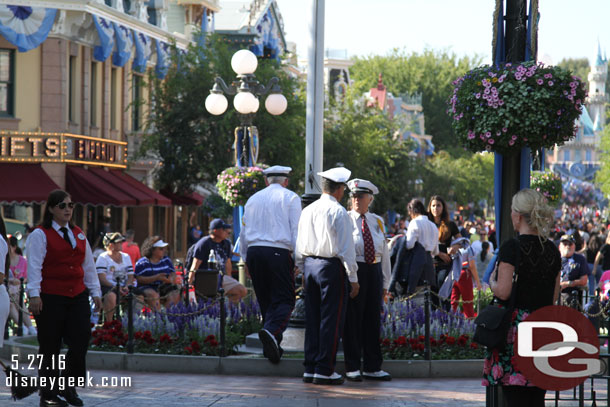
x: 62, y: 205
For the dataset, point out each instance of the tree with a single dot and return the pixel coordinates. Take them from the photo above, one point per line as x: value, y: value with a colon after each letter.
x: 194, y: 146
x: 362, y: 139
x: 602, y: 177
x: 430, y: 73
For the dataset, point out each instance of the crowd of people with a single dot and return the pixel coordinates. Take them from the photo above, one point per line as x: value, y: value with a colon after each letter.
x: 350, y: 262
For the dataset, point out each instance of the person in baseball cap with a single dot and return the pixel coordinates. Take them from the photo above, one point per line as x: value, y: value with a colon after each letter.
x: 325, y: 252
x: 219, y: 224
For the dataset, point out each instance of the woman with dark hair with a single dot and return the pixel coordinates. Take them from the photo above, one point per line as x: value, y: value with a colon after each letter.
x: 155, y: 273
x: 482, y: 259
x: 447, y: 232
x: 423, y: 231
x: 61, y: 276
x: 4, y: 265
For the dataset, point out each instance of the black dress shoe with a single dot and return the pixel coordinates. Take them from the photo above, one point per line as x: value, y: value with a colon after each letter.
x: 52, y: 401
x: 71, y: 397
x: 270, y: 348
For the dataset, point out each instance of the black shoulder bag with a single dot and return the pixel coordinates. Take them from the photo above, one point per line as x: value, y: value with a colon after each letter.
x: 493, y: 322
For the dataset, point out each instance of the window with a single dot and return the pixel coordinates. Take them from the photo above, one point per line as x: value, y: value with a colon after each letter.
x: 127, y: 6
x: 136, y: 102
x: 588, y: 155
x: 93, y: 95
x: 72, y: 90
x: 113, y: 98
x: 108, y: 3
x: 152, y: 16
x: 566, y: 155
x: 7, y: 78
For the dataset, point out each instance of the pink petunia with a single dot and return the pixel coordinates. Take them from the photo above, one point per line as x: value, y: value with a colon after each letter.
x: 491, y: 141
x: 550, y: 83
x: 488, y: 134
x: 559, y: 112
x: 511, y: 142
x: 539, y: 81
x: 504, y: 129
x: 497, y: 372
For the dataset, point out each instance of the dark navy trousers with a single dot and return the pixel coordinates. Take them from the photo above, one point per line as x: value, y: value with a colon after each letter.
x: 326, y: 293
x: 363, y: 321
x: 272, y: 273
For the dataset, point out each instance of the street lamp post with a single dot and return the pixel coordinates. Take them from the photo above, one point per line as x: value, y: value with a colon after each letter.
x: 246, y: 90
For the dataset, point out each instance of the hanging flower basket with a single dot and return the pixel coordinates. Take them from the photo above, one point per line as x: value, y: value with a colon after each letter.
x: 508, y: 107
x: 548, y: 184
x: 237, y: 184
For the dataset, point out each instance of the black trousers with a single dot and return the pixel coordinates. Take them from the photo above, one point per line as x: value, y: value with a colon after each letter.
x: 326, y: 293
x: 272, y: 272
x: 363, y: 321
x: 523, y: 396
x: 63, y: 320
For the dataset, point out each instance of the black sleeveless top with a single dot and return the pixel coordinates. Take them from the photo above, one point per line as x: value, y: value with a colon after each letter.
x: 539, y: 265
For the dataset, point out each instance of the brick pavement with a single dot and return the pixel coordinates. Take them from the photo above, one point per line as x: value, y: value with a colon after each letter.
x: 160, y: 390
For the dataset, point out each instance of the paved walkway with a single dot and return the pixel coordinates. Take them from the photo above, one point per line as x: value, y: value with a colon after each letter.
x: 160, y: 390
x: 182, y: 390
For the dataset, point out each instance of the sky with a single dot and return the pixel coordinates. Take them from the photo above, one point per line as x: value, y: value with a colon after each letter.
x: 567, y: 28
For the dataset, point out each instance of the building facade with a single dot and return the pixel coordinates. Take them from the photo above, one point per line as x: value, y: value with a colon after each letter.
x: 72, y: 78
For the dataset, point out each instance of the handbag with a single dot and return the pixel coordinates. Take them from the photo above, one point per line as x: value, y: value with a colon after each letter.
x: 493, y: 322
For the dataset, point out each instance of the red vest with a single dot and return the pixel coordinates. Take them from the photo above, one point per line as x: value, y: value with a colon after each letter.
x: 62, y: 269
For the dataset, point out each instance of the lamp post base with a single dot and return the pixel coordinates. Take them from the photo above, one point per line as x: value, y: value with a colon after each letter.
x: 306, y: 199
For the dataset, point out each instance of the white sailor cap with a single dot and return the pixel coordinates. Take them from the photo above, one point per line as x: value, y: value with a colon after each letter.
x: 337, y: 174
x: 361, y: 185
x: 277, y: 170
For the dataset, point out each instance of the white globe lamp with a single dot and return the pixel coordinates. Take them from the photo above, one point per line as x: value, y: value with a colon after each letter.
x: 244, y: 62
x: 245, y: 102
x: 276, y: 104
x: 216, y: 103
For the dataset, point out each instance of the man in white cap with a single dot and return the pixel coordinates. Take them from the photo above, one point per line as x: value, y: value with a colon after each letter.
x: 267, y: 240
x: 325, y: 252
x: 363, y: 321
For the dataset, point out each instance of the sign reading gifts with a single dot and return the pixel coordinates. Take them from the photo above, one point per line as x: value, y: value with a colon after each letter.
x: 61, y: 147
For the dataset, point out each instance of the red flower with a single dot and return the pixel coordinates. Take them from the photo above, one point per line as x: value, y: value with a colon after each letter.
x: 461, y: 341
x: 401, y: 341
x: 97, y: 341
x: 188, y: 349
x: 209, y: 338
x: 450, y: 340
x: 147, y: 334
x: 421, y: 347
x: 196, y: 347
x: 213, y: 343
x: 421, y: 338
x: 433, y: 342
x: 386, y: 342
x: 138, y: 335
x: 474, y: 345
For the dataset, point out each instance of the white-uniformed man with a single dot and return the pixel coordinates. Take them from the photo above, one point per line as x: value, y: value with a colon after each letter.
x: 325, y: 252
x: 267, y: 240
x: 362, y: 323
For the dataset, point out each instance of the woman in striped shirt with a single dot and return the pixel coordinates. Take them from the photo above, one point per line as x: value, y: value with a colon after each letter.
x: 155, y: 273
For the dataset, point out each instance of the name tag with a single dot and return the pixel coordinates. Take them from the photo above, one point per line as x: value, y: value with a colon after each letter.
x: 81, y: 236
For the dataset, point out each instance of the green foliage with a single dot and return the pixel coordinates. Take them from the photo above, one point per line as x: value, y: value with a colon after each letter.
x: 362, y: 139
x: 513, y: 106
x: 429, y: 73
x: 193, y: 145
x: 216, y: 207
x: 602, y: 177
x: 548, y: 184
x: 579, y: 67
x: 466, y: 178
x: 237, y: 184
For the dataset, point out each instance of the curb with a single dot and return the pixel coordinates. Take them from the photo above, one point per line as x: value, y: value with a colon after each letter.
x: 246, y: 365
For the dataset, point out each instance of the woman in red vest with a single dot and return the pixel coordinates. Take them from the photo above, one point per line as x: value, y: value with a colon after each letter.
x: 4, y: 265
x: 61, y: 277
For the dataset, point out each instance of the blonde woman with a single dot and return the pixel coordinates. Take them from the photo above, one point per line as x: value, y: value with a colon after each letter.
x: 537, y: 261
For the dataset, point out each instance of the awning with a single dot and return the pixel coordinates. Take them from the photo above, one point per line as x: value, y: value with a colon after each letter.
x: 160, y: 200
x: 190, y: 199
x: 23, y: 183
x: 88, y: 188
x: 142, y: 198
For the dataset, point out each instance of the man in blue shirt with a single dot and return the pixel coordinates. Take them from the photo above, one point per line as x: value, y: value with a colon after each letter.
x: 574, y: 270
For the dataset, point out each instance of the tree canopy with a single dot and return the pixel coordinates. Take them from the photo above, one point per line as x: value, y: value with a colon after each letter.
x: 430, y: 73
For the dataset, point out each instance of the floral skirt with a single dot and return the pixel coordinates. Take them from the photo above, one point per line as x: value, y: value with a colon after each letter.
x: 498, y: 366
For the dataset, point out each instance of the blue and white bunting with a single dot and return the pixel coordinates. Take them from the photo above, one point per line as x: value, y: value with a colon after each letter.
x: 143, y: 51
x: 124, y: 44
x: 163, y: 59
x: 105, y: 31
x: 26, y: 27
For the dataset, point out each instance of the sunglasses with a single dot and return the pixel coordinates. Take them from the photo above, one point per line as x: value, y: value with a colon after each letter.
x: 62, y: 205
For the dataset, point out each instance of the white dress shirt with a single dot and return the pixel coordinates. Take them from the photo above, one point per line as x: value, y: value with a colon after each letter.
x: 271, y: 218
x: 422, y: 230
x: 382, y: 254
x: 37, y: 250
x: 325, y: 230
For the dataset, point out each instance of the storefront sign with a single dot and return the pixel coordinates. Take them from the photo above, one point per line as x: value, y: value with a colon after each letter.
x: 62, y: 147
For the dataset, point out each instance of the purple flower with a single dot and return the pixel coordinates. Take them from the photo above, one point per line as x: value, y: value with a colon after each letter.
x: 478, y: 95
x: 491, y: 141
x: 550, y: 83
x: 488, y: 134
x: 559, y: 112
x: 539, y: 81
x: 504, y: 129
